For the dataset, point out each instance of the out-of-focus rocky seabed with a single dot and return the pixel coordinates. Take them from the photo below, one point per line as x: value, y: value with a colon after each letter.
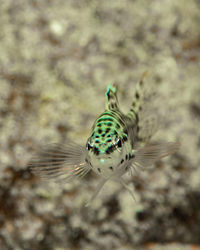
x: 56, y: 59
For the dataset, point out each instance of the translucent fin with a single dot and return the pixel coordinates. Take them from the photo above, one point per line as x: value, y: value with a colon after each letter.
x: 149, y: 154
x: 141, y: 93
x: 144, y: 115
x: 127, y: 187
x: 147, y: 128
x: 99, y: 187
x: 59, y: 162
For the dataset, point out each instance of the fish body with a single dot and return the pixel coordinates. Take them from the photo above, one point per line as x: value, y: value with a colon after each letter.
x: 109, y: 146
x: 117, y: 143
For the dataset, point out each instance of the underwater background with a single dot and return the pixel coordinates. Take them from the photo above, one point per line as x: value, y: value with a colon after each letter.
x: 56, y: 60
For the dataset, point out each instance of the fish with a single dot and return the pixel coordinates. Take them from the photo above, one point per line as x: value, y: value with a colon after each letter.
x: 117, y: 144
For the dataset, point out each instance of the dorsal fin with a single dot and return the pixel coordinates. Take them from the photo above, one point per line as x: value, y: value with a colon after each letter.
x: 111, y: 98
x: 138, y: 98
x: 145, y: 120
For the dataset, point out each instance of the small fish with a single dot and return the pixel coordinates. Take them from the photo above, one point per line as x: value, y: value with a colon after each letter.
x: 117, y: 144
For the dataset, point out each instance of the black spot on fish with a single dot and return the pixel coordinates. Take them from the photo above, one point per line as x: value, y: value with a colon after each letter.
x: 112, y: 105
x: 99, y: 170
x: 107, y: 130
x: 97, y: 136
x: 111, y: 168
x: 89, y: 146
x: 122, y: 161
x: 117, y: 126
x: 125, y: 138
x: 109, y: 124
x: 110, y: 149
x: 137, y: 95
x: 109, y: 140
x: 126, y: 157
x: 99, y: 131
x: 96, y: 141
x: 99, y: 125
x: 96, y: 151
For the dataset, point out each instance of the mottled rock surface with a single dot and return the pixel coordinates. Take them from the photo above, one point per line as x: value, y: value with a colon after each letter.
x: 56, y: 59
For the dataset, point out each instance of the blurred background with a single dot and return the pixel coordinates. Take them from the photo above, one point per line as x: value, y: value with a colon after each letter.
x: 56, y: 59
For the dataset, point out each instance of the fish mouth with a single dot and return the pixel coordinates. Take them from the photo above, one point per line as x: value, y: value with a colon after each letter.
x: 105, y: 157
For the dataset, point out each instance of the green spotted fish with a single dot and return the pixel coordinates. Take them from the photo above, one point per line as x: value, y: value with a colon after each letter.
x: 117, y: 144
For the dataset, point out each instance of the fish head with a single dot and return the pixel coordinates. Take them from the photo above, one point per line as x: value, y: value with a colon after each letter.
x: 106, y: 152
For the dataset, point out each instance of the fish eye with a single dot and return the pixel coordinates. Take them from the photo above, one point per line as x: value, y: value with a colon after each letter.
x: 119, y: 143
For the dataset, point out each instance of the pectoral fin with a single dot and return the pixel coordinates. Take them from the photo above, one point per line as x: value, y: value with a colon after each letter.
x: 60, y: 162
x: 149, y: 154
